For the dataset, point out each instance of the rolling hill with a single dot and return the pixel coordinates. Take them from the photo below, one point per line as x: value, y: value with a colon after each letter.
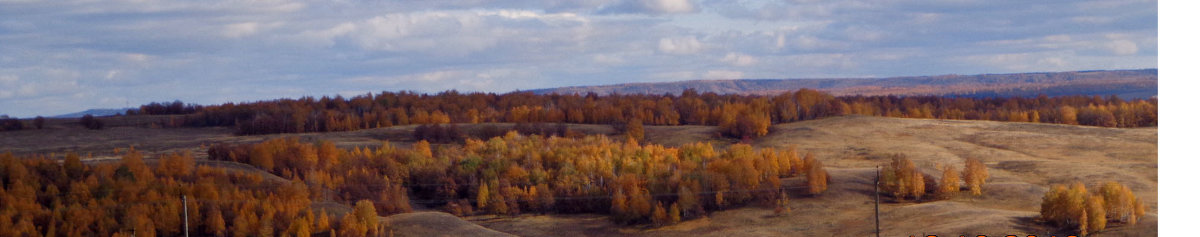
x: 1127, y: 84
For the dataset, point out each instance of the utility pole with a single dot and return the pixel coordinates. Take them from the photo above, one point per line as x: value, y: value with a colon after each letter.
x: 185, y: 220
x: 877, y: 201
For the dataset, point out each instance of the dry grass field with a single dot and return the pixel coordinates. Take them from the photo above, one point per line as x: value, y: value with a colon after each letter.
x: 1024, y: 160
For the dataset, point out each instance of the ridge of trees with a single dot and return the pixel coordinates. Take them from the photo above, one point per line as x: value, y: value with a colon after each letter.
x: 738, y: 116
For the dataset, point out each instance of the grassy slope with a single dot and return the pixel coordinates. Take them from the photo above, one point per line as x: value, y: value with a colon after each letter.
x: 1023, y: 159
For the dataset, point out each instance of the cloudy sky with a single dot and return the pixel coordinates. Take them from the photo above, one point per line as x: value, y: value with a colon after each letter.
x: 62, y: 56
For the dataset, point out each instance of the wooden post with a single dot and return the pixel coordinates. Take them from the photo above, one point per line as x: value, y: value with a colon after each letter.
x: 185, y: 220
x: 877, y: 201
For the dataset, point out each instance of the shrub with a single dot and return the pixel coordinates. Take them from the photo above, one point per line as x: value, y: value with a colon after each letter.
x: 39, y: 122
x: 10, y: 124
x: 90, y: 122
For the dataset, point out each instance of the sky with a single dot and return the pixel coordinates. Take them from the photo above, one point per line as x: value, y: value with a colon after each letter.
x: 63, y: 56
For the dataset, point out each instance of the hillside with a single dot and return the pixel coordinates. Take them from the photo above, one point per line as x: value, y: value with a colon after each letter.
x: 1124, y: 83
x: 1024, y: 160
x: 93, y: 112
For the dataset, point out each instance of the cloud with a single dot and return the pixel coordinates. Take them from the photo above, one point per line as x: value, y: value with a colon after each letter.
x: 680, y: 45
x: 737, y: 59
x: 723, y: 74
x: 454, y: 33
x: 451, y: 79
x: 1122, y: 47
x: 652, y: 7
x: 237, y: 30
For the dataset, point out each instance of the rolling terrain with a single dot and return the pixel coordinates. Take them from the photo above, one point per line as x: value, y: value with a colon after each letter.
x: 1024, y: 160
x: 1124, y: 83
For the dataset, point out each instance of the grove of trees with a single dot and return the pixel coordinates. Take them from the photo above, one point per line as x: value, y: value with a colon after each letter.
x: 515, y: 174
x: 1075, y: 209
x: 40, y: 196
x: 901, y: 179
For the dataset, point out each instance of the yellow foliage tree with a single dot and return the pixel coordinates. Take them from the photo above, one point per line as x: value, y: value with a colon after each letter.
x: 975, y: 174
x: 949, y: 184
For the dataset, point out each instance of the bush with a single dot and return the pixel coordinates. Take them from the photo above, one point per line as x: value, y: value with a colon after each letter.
x: 39, y: 122
x: 90, y: 122
x: 10, y: 124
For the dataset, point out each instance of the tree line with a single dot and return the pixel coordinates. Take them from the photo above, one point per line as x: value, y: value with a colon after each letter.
x: 738, y: 116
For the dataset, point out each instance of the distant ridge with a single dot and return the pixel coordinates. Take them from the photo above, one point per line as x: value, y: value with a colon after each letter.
x: 93, y: 112
x: 1142, y: 83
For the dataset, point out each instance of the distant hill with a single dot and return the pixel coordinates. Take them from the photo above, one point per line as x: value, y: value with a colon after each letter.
x: 1127, y: 84
x: 93, y: 112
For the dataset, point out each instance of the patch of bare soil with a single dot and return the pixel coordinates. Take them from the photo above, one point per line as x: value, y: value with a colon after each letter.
x: 433, y: 224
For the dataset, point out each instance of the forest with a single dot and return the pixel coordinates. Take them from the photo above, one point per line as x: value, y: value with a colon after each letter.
x: 737, y: 116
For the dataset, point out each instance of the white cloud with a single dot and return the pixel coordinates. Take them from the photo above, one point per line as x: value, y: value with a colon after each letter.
x: 834, y: 60
x: 723, y: 74
x: 608, y: 59
x: 1122, y: 47
x: 680, y: 45
x: 650, y: 7
x: 238, y: 30
x: 674, y: 76
x: 669, y: 6
x: 737, y: 59
x: 452, y: 33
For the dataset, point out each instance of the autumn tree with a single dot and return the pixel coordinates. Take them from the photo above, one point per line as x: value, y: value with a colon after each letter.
x: 901, y: 179
x: 1096, y: 219
x: 1120, y: 203
x: 481, y: 196
x: 949, y: 185
x: 975, y: 174
x: 1078, y: 210
x: 817, y: 177
x: 659, y: 217
x: 364, y: 212
x: 214, y: 222
x: 634, y: 130
x: 674, y: 213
